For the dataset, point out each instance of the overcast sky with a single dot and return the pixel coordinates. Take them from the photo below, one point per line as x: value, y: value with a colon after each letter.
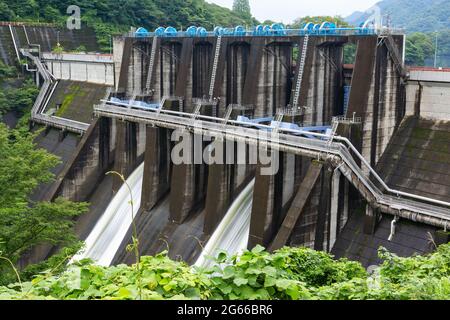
x: 288, y: 10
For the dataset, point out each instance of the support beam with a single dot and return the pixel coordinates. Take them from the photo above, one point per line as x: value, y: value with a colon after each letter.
x: 297, y: 206
x: 263, y: 207
x: 323, y: 210
x: 362, y: 76
x: 250, y: 91
x: 218, y: 192
x: 124, y: 69
x: 334, y: 210
x: 184, y: 67
x: 125, y: 154
x: 371, y: 220
x: 156, y: 167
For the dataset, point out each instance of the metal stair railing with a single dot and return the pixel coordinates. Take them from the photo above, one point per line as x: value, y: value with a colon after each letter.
x: 14, y: 43
x: 395, y: 55
x: 334, y: 128
x: 43, y: 98
x: 278, y: 120
x: 214, y: 69
x: 151, y: 65
x: 301, y: 70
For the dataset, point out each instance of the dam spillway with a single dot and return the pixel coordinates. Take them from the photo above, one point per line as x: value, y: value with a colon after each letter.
x: 251, y: 82
x: 104, y: 240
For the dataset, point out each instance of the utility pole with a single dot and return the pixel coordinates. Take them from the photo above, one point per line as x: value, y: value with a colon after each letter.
x: 436, y: 50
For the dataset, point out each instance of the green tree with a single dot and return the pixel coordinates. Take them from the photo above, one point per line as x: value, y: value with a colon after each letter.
x: 18, y: 98
x: 300, y: 22
x: 242, y: 8
x: 24, y: 224
x: 419, y: 47
x: 6, y: 14
x: 6, y: 71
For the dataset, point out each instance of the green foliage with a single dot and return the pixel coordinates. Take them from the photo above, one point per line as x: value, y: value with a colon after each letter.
x: 17, y: 98
x: 24, y: 225
x: 290, y: 273
x: 58, y: 49
x: 81, y: 49
x: 6, y: 71
x: 301, y: 22
x: 419, y: 46
x: 242, y: 9
x: 418, y: 15
x: 287, y: 274
x: 109, y: 17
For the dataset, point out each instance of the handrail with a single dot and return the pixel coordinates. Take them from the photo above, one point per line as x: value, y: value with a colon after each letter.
x: 44, y: 96
x: 326, y: 148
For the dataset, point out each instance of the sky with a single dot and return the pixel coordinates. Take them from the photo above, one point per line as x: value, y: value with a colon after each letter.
x: 288, y: 10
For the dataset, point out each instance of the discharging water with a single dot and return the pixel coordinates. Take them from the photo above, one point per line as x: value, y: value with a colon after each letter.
x: 232, y: 233
x: 105, y: 239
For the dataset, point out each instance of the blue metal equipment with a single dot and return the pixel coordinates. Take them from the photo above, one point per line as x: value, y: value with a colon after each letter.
x: 159, y: 32
x: 218, y: 31
x: 170, y: 32
x: 278, y: 29
x: 327, y: 28
x: 141, y: 33
x: 239, y: 31
x: 191, y: 31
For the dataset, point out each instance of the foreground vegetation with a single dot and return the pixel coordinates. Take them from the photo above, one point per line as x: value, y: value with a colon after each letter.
x: 290, y: 273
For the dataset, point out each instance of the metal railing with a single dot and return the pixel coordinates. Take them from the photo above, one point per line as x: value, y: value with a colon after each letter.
x: 342, y: 151
x: 44, y: 96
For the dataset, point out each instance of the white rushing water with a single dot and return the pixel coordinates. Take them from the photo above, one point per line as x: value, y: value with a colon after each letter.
x: 232, y: 233
x: 105, y: 239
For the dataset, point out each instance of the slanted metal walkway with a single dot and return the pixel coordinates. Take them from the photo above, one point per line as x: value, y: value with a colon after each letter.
x: 337, y: 151
x: 45, y: 93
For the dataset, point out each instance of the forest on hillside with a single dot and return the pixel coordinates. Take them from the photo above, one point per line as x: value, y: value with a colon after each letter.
x: 412, y: 15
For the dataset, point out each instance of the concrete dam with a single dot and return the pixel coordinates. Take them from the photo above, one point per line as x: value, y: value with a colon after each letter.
x: 360, y: 163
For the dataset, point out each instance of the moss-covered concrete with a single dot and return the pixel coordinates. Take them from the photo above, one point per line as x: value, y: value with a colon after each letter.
x: 417, y: 159
x: 75, y: 100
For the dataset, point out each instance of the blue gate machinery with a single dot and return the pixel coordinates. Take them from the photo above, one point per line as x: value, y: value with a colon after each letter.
x: 276, y: 29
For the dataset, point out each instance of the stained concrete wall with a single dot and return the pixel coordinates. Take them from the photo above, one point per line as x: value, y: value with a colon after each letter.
x: 67, y: 68
x: 91, y: 160
x: 376, y: 96
x: 256, y: 71
x: 322, y: 80
x: 429, y: 100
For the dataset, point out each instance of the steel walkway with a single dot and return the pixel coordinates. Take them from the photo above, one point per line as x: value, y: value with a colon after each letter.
x: 336, y: 150
x: 44, y: 96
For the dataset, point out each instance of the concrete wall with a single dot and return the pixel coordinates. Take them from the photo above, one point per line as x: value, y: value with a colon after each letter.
x: 254, y: 71
x: 429, y: 100
x: 376, y: 97
x: 97, y: 69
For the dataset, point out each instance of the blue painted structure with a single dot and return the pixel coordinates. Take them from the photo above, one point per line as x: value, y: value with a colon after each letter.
x: 256, y: 123
x: 276, y: 29
x: 137, y: 104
